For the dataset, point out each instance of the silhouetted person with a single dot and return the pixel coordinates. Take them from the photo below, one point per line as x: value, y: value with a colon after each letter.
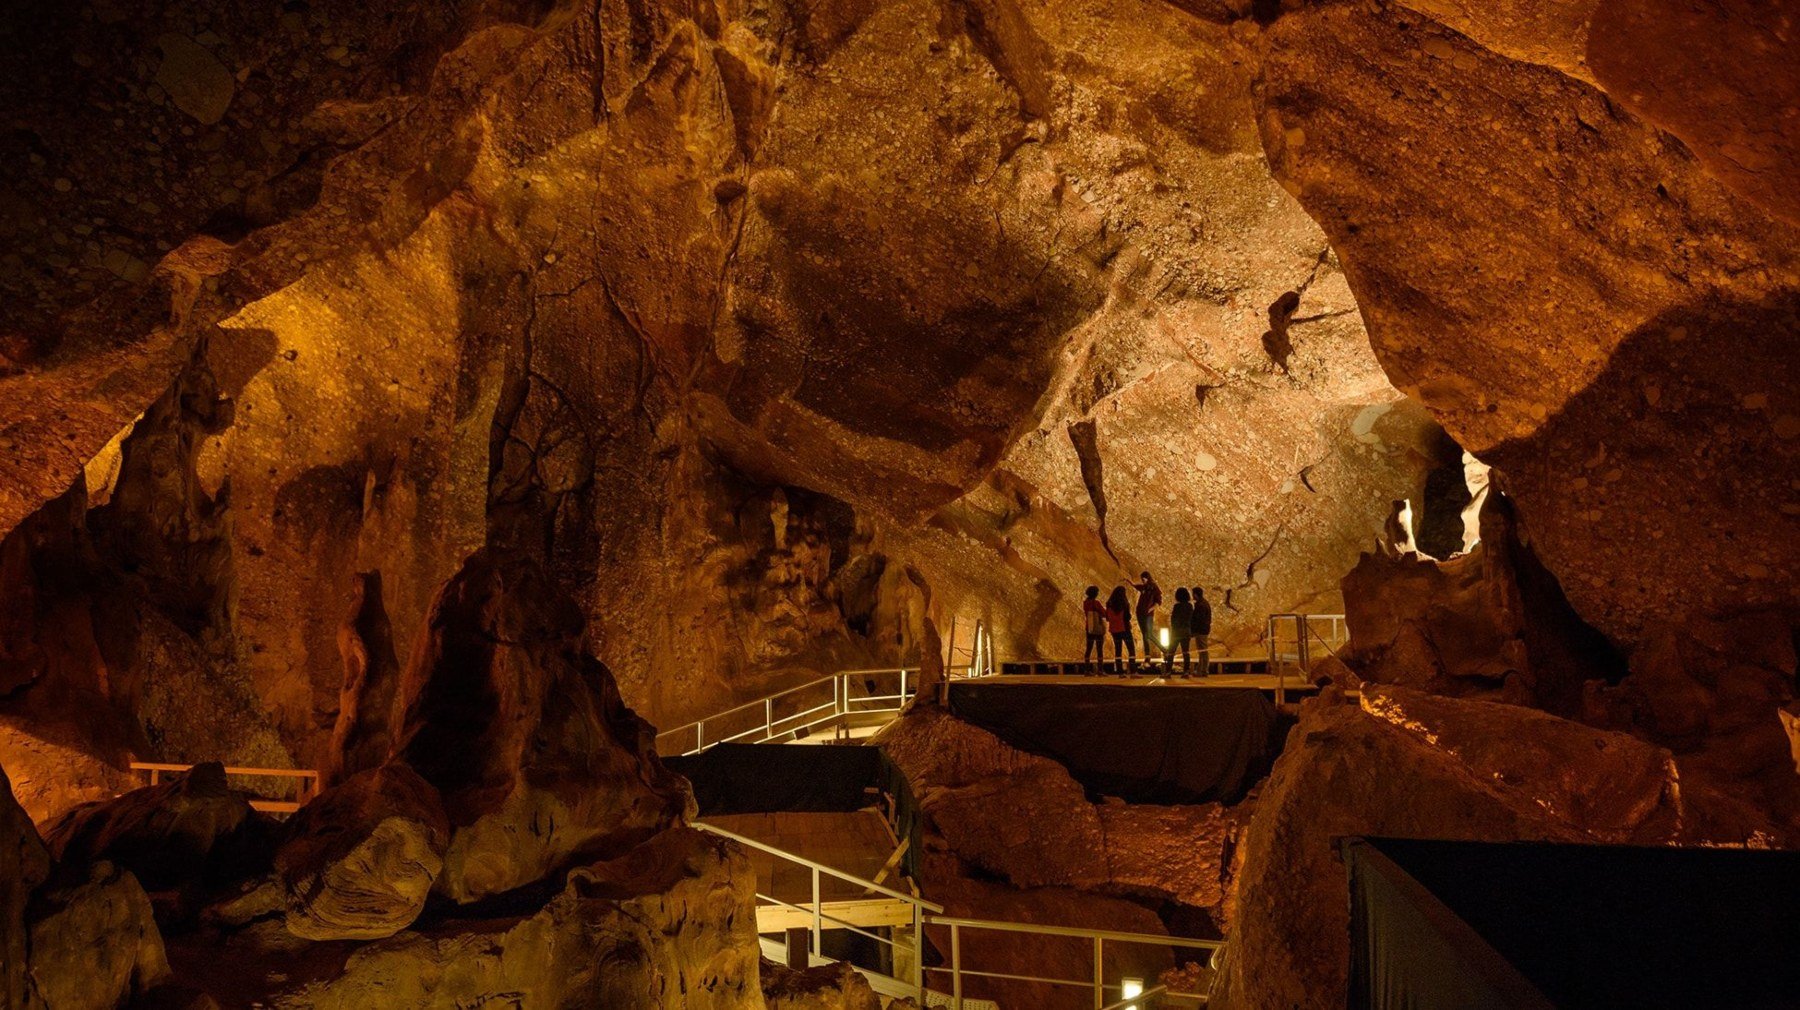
x: 1200, y: 627
x: 1118, y: 621
x: 1093, y: 623
x: 1149, y: 598
x: 1181, y: 627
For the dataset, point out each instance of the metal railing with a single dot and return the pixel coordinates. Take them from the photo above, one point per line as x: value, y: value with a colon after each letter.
x: 818, y: 704
x: 1294, y: 649
x: 1099, y: 937
x: 977, y: 655
x: 916, y: 908
x: 306, y: 784
x: 920, y: 914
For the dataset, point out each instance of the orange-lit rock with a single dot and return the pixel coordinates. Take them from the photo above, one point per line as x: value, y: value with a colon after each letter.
x: 94, y: 941
x: 359, y: 860
x: 24, y: 863
x: 523, y: 734
x: 988, y: 804
x: 668, y: 925
x: 191, y: 827
x: 827, y: 987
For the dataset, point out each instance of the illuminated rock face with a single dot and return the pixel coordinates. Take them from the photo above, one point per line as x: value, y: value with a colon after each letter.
x: 1582, y: 302
x: 645, y: 293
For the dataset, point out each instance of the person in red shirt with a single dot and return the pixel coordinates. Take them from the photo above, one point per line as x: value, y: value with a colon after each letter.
x: 1118, y: 621
x: 1093, y: 622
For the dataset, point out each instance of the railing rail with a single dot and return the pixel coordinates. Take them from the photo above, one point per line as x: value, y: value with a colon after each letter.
x: 929, y: 914
x: 1295, y: 650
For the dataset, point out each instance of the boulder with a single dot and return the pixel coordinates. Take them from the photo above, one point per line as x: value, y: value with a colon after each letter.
x: 523, y: 734
x: 669, y: 925
x: 1492, y: 622
x: 835, y: 986
x: 1346, y: 772
x: 94, y: 941
x: 1615, y: 787
x: 358, y: 861
x: 1024, y: 819
x: 188, y: 828
x: 24, y: 863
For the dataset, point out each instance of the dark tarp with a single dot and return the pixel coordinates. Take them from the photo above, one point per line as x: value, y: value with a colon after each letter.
x: 768, y: 778
x: 1141, y: 743
x: 1482, y: 924
x: 760, y: 778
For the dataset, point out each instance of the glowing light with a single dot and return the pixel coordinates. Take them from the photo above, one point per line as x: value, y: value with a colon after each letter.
x: 1162, y: 636
x: 1134, y: 986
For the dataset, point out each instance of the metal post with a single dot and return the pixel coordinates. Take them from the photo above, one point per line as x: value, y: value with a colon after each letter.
x: 918, y: 966
x: 902, y: 702
x: 700, y: 736
x: 769, y: 718
x: 955, y: 967
x: 1099, y: 973
x: 818, y: 927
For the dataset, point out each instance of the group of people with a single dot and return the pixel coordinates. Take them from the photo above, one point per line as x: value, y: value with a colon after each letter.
x: 1190, y: 627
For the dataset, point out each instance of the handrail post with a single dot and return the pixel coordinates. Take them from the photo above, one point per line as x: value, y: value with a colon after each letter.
x: 918, y: 966
x: 955, y: 966
x: 818, y: 926
x: 1099, y: 972
x: 769, y: 718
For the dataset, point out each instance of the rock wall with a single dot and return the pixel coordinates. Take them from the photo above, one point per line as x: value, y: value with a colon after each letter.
x: 643, y: 289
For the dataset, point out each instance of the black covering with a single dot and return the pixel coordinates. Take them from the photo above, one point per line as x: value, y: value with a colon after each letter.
x: 768, y: 778
x: 756, y: 778
x: 1478, y: 924
x: 1141, y: 743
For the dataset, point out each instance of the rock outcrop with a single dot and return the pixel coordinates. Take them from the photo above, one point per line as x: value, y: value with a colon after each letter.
x: 94, y: 941
x: 359, y: 860
x: 988, y: 804
x: 826, y: 987
x: 1580, y: 300
x: 24, y: 863
x: 523, y: 735
x: 670, y: 925
x: 1413, y: 765
x: 1490, y: 623
x: 191, y: 827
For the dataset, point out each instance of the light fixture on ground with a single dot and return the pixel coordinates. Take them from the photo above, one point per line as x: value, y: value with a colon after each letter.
x: 1130, y: 987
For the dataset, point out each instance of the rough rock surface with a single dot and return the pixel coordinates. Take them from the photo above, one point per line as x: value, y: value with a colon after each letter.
x: 1492, y: 622
x: 94, y: 941
x: 1413, y: 765
x: 24, y: 863
x: 826, y: 987
x: 989, y: 803
x: 523, y: 734
x: 669, y: 925
x: 190, y: 827
x: 359, y: 860
x: 1345, y: 773
x: 1483, y: 209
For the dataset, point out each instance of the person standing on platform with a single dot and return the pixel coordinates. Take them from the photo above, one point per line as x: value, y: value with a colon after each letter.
x: 1181, y: 618
x: 1093, y: 623
x: 1149, y: 598
x: 1118, y: 621
x: 1200, y: 627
